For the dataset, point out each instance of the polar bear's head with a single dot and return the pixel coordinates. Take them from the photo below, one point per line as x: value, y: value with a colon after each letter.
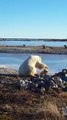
x: 38, y: 61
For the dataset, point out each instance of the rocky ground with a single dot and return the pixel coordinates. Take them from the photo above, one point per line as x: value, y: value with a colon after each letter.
x: 33, y: 49
x: 17, y: 103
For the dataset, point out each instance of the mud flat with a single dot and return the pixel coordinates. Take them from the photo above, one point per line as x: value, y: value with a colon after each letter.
x: 33, y: 49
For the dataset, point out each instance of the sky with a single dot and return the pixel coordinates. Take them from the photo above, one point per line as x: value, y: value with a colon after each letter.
x: 33, y: 19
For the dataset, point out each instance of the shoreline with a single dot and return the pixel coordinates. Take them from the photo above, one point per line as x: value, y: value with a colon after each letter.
x: 33, y: 39
x: 34, y: 49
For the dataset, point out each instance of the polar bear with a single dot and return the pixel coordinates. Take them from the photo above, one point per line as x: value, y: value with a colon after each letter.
x: 30, y: 65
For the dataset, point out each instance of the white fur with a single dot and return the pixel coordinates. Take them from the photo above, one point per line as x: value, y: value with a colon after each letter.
x: 30, y: 64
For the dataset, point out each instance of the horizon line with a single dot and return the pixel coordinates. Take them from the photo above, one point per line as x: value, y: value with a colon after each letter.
x: 31, y: 38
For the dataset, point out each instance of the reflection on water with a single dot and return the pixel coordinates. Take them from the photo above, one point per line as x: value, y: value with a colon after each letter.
x: 33, y: 43
x: 54, y: 62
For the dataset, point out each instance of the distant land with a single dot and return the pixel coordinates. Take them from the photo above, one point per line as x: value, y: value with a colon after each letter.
x: 34, y: 49
x: 30, y: 39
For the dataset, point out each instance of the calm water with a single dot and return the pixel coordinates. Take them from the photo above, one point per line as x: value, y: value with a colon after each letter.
x: 55, y: 62
x: 33, y: 43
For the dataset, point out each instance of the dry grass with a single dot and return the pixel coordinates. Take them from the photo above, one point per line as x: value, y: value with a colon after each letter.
x: 49, y: 111
x: 25, y: 105
x: 63, y: 94
x: 5, y: 117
